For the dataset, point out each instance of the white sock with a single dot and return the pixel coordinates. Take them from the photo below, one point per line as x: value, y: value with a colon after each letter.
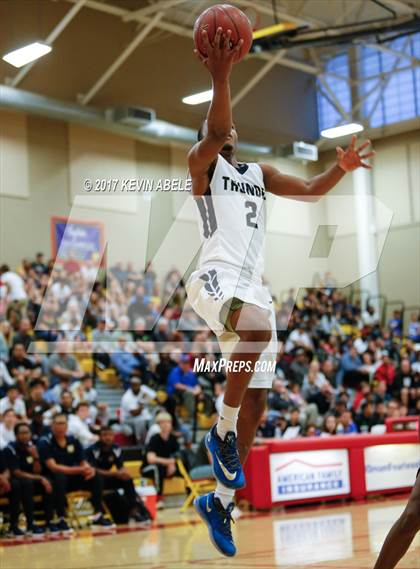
x: 227, y: 420
x: 224, y: 494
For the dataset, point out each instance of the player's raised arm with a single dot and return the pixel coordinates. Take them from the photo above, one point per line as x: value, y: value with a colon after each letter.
x: 298, y: 188
x: 219, y: 60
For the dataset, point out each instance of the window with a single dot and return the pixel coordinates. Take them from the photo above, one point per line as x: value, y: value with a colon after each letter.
x: 328, y: 116
x: 400, y: 98
x: 398, y: 101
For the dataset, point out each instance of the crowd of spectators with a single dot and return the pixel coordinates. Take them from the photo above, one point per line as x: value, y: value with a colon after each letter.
x: 339, y: 370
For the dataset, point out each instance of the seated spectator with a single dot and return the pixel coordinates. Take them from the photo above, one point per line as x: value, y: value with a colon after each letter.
x: 53, y: 395
x: 102, y: 337
x: 201, y: 466
x: 161, y: 452
x: 39, y: 265
x: 299, y: 367
x: 311, y: 431
x: 78, y: 425
x: 7, y: 428
x: 183, y: 383
x: 24, y: 335
x: 122, y: 331
x: 386, y: 370
x: 65, y: 406
x: 134, y: 410
x: 10, y: 489
x: 13, y: 400
x: 403, y: 379
x: 395, y: 324
x: 15, y: 286
x: 38, y: 427
x: 349, y: 365
x: 84, y: 392
x: 22, y: 460
x: 106, y: 457
x: 370, y: 317
x: 330, y: 426
x: 65, y: 465
x: 414, y: 328
x: 125, y: 362
x: 63, y: 365
x: 22, y: 368
x: 323, y: 399
x: 36, y: 397
x: 313, y: 380
x: 345, y: 424
x: 278, y: 397
x: 367, y: 418
x: 265, y: 430
x: 299, y: 339
x: 294, y: 426
x: 5, y: 379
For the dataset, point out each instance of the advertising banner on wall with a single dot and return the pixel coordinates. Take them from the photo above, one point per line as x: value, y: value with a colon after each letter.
x: 309, y: 474
x: 76, y: 239
x: 391, y: 466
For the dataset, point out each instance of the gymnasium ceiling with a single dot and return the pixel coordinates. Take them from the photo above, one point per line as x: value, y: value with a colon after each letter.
x: 161, y: 70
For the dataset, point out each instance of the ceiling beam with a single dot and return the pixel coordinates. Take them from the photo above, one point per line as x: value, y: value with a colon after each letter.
x: 257, y: 77
x: 396, y: 53
x: 402, y: 6
x: 84, y: 99
x: 50, y: 39
x: 148, y: 10
x: 268, y: 10
x: 188, y: 33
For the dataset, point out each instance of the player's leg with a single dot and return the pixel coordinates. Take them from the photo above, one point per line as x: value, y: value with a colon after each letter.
x: 216, y: 507
x: 252, y: 326
x: 402, y: 532
x: 252, y: 409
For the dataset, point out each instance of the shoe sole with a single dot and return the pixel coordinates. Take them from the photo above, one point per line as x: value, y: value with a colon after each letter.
x: 204, y: 518
x: 224, y: 482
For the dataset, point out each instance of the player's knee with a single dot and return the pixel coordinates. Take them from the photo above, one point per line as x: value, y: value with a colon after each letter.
x: 258, y: 331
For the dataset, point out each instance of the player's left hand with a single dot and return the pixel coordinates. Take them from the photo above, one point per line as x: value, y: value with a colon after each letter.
x: 352, y: 158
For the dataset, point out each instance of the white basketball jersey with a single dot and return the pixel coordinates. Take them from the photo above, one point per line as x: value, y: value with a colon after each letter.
x: 233, y: 217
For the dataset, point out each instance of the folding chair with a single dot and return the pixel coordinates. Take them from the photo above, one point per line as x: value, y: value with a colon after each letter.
x: 79, y: 508
x: 196, y: 487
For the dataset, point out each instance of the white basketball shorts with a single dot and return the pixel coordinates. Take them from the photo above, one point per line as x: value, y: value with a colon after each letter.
x: 210, y: 288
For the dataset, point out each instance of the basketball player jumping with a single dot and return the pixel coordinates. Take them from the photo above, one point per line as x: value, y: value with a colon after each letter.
x: 226, y: 290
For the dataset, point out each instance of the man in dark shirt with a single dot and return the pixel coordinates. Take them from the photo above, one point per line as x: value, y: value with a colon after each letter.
x: 65, y: 465
x: 21, y: 368
x: 367, y: 418
x: 9, y: 488
x: 36, y: 397
x: 22, y: 460
x: 106, y: 458
x: 160, y: 453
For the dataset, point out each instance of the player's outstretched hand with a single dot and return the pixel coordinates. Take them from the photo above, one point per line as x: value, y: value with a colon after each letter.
x: 353, y: 158
x: 220, y: 54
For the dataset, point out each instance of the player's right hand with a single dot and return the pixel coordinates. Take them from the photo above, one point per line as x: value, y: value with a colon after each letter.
x: 220, y: 54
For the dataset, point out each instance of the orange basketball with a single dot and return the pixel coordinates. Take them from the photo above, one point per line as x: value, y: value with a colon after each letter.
x: 226, y: 17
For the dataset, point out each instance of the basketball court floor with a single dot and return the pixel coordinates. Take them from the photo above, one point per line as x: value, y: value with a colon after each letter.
x: 344, y: 536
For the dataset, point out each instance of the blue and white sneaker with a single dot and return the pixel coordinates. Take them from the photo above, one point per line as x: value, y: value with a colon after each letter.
x: 218, y: 520
x: 226, y: 464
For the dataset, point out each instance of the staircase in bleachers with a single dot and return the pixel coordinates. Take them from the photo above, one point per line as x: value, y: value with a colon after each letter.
x: 109, y: 395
